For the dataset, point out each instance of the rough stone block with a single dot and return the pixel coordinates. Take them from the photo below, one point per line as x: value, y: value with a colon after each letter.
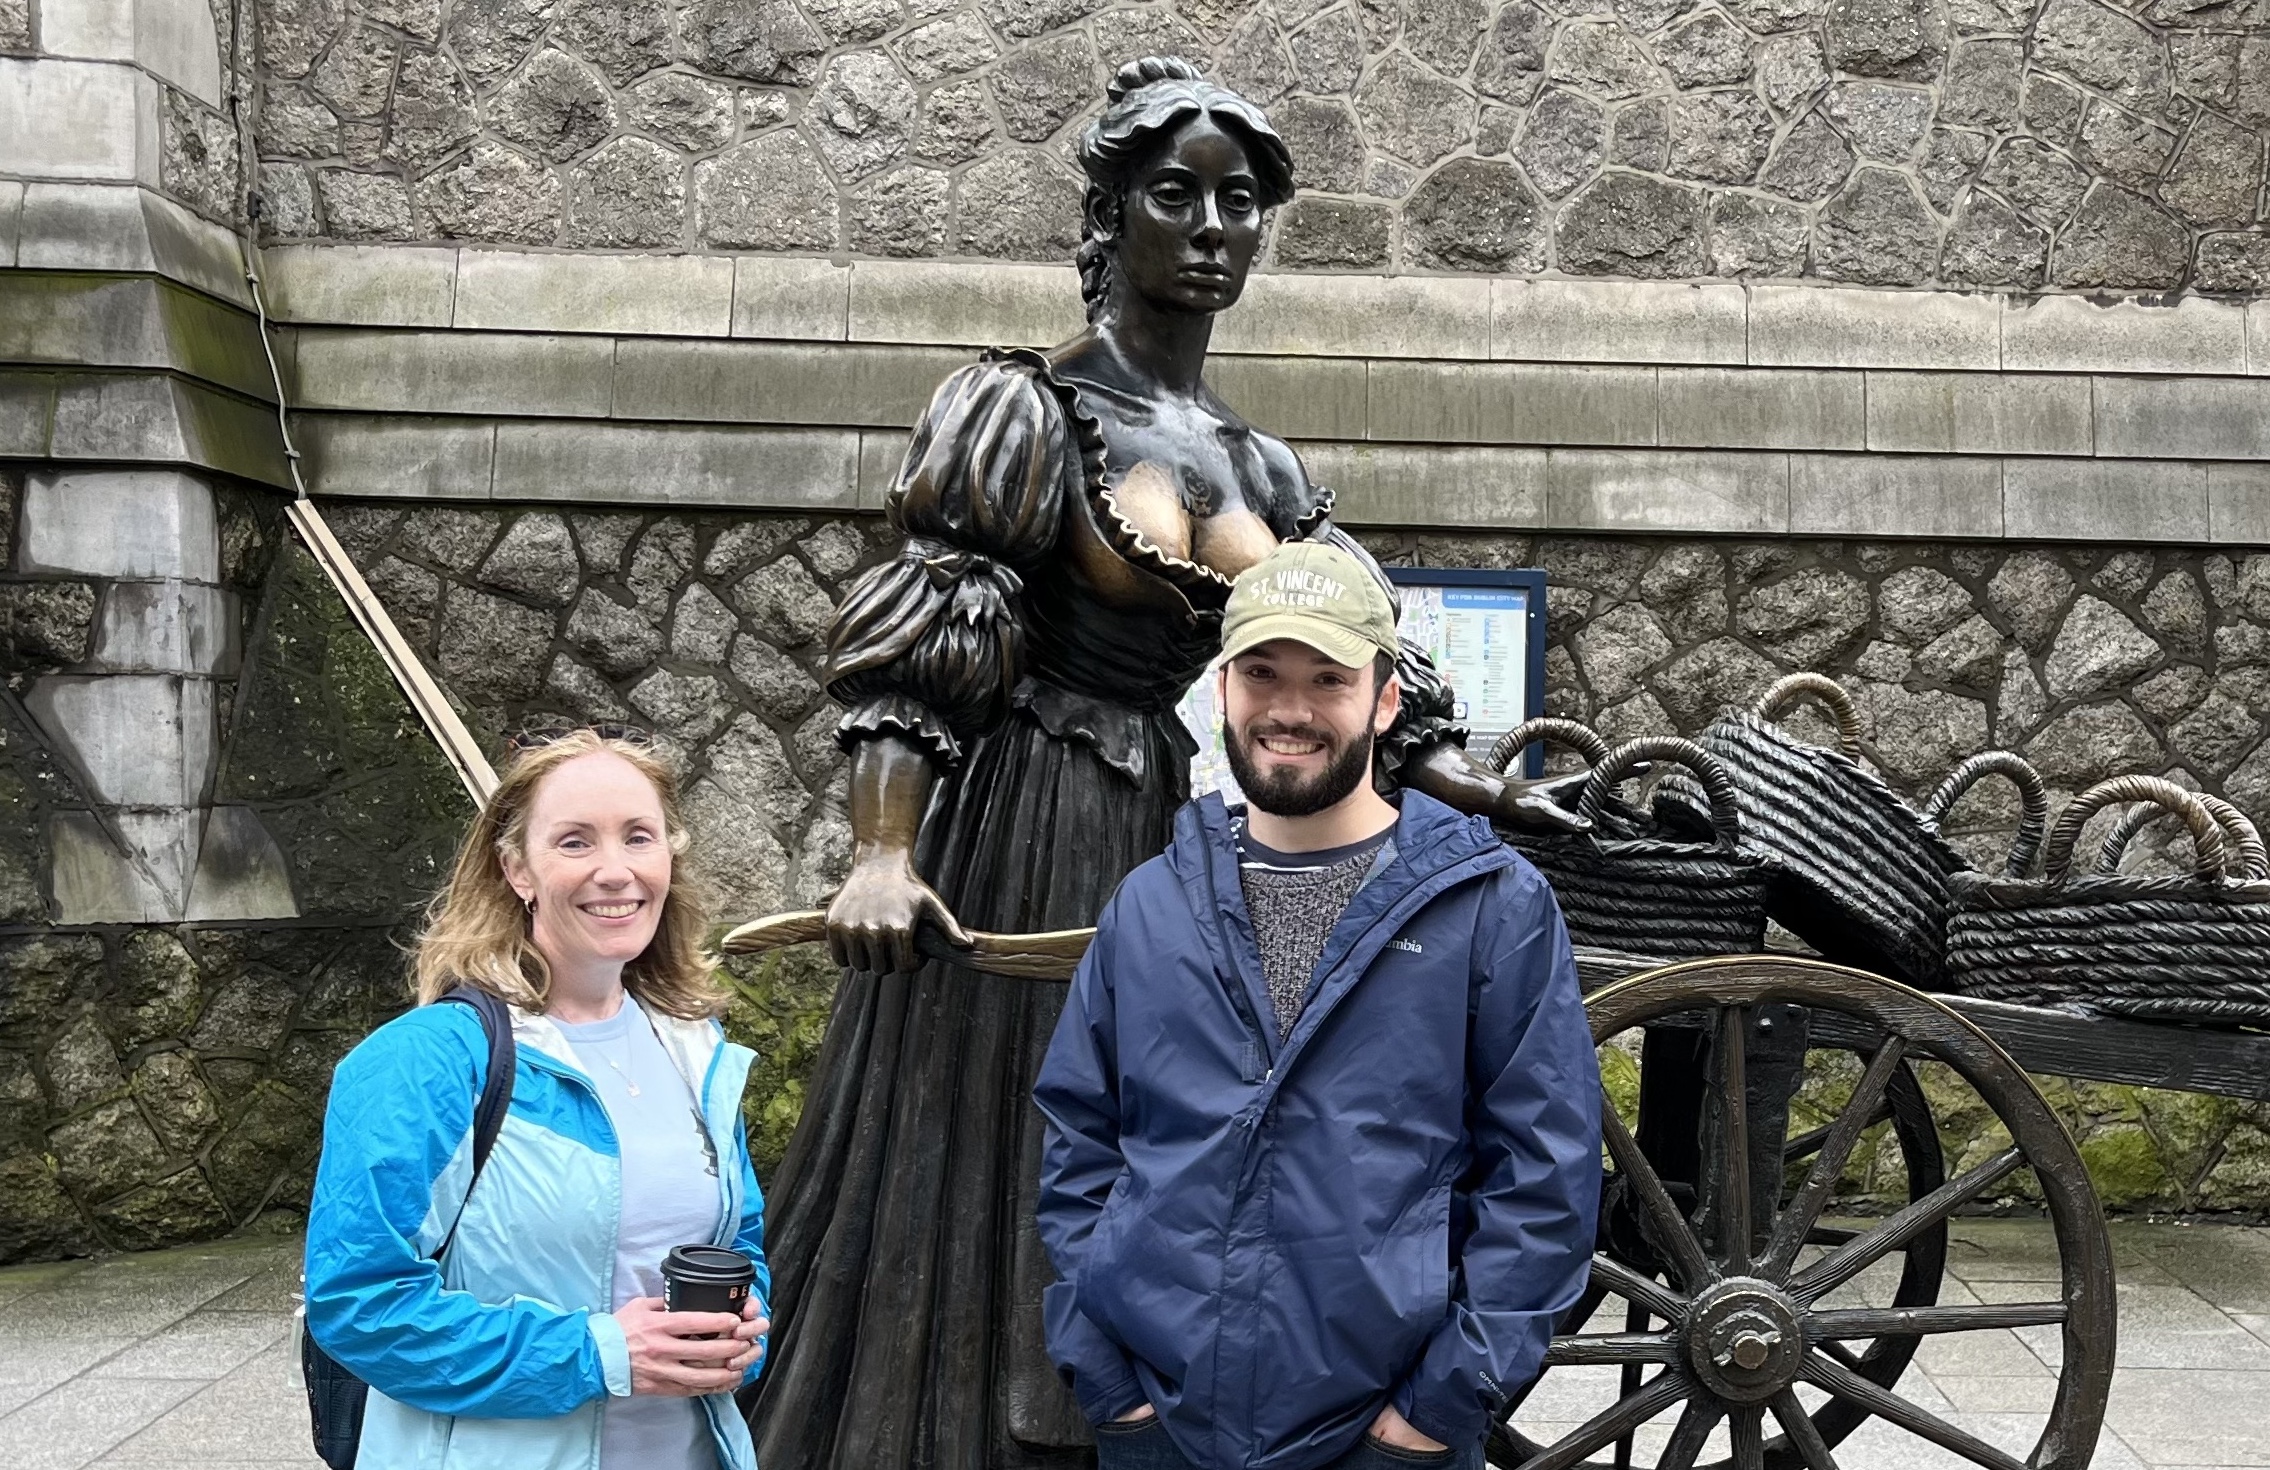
x: 652, y: 465
x: 1882, y: 495
x: 1412, y: 486
x: 141, y: 739
x: 2238, y: 504
x: 1978, y: 413
x: 1512, y: 403
x: 361, y: 285
x: 2104, y: 500
x: 1621, y: 321
x: 981, y: 305
x: 670, y: 295
x: 1359, y: 316
x: 78, y: 120
x: 2091, y: 334
x: 2161, y: 418
x: 1295, y: 397
x: 779, y: 382
x: 1805, y: 326
x: 414, y: 458
x: 1652, y: 490
x: 455, y: 372
x: 1760, y: 408
x: 119, y: 523
x: 166, y: 628
x: 803, y: 300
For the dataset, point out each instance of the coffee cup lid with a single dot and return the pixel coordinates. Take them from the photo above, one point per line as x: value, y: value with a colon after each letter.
x: 707, y: 1263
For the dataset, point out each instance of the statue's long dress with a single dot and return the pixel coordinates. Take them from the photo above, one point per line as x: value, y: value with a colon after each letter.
x: 1037, y: 645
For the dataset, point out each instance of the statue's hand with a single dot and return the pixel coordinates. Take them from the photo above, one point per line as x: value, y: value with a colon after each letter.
x: 1548, y: 805
x: 873, y: 917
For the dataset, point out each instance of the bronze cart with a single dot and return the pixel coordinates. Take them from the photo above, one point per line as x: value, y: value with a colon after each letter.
x: 1711, y: 1228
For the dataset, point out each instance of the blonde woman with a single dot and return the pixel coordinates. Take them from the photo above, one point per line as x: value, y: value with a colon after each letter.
x: 537, y: 1337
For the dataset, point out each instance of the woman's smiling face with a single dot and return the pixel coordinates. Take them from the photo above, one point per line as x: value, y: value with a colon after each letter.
x: 596, y: 861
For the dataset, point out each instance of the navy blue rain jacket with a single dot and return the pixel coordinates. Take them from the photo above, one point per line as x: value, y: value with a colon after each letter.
x: 1269, y: 1242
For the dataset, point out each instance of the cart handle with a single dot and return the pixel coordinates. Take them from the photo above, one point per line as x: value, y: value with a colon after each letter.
x: 1050, y: 955
x: 1573, y: 734
x: 1725, y: 804
x: 2206, y: 833
x: 1792, y: 689
x: 2033, y: 801
x: 2253, y: 859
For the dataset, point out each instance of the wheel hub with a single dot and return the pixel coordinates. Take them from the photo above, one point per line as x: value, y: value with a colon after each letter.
x: 1745, y: 1340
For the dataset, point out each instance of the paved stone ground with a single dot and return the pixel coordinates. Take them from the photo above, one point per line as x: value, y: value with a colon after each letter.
x: 180, y: 1359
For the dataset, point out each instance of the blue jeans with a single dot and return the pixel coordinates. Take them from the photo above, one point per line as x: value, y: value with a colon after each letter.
x: 1145, y: 1446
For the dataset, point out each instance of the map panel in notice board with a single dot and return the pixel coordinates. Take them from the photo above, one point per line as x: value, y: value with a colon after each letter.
x: 1485, y: 631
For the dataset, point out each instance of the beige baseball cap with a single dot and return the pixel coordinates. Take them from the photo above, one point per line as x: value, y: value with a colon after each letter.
x: 1316, y: 594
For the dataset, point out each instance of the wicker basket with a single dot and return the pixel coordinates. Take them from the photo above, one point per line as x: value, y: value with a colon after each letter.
x: 1856, y: 872
x: 1648, y: 894
x: 2033, y: 803
x: 1615, y: 817
x: 2191, y: 948
x: 2243, y: 852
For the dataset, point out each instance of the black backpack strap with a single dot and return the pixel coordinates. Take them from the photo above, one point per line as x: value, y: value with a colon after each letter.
x: 496, y: 1083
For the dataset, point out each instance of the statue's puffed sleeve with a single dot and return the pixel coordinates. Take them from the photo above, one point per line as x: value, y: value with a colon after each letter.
x: 1430, y: 710
x: 928, y: 644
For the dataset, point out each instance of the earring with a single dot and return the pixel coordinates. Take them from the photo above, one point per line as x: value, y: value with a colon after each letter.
x: 529, y: 904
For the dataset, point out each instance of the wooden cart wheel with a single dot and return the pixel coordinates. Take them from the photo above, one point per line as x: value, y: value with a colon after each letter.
x: 1746, y: 1319
x: 1882, y: 1360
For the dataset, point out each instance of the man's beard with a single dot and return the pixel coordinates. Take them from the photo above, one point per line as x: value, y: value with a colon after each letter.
x: 1285, y: 792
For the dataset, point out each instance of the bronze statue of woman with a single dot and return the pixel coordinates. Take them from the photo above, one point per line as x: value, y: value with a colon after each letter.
x: 1073, y: 520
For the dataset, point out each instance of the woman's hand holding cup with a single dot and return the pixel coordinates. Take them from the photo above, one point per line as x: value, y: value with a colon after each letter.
x: 687, y: 1354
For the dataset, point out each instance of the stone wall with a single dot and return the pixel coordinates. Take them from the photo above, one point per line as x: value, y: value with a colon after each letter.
x: 1976, y: 143
x: 185, y: 47
x: 2091, y: 662
x: 165, y: 1082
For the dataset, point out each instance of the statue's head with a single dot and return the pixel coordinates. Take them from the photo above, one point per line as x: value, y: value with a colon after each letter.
x: 1182, y: 175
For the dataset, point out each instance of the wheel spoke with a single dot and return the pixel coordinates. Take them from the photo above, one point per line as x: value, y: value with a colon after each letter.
x: 1659, y: 1393
x: 1675, y: 1233
x: 1840, y: 1352
x: 1855, y: 1256
x: 1729, y: 1057
x: 1859, y: 1114
x: 1692, y: 1433
x: 1802, y: 1431
x: 1915, y: 1321
x: 1611, y: 1347
x: 1922, y: 1423
x: 1745, y: 1427
x: 1808, y: 1143
x: 1621, y: 1279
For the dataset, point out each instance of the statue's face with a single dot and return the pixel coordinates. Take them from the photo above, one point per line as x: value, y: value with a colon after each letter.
x: 1191, y: 221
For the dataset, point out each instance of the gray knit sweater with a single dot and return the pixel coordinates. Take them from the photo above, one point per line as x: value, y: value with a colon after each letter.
x: 1295, y: 899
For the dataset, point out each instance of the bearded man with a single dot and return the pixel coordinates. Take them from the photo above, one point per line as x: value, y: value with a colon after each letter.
x: 1323, y: 1148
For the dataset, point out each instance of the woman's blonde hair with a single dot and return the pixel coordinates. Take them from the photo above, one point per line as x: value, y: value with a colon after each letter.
x: 477, y: 930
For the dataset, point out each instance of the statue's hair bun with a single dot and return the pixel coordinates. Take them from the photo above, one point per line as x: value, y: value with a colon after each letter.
x: 1138, y: 74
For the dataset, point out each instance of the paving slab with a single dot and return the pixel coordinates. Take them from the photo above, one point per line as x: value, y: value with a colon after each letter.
x: 182, y: 1359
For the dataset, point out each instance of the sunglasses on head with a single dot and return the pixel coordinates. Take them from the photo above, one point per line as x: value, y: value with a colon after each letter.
x: 526, y: 740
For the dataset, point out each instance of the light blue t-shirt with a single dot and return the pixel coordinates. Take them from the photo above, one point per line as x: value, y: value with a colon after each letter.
x: 670, y: 1197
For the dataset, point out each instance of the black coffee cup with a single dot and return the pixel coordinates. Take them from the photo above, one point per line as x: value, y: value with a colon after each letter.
x: 706, y: 1278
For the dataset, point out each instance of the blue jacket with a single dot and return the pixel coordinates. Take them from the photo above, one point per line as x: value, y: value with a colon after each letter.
x: 503, y: 1356
x: 1269, y: 1242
